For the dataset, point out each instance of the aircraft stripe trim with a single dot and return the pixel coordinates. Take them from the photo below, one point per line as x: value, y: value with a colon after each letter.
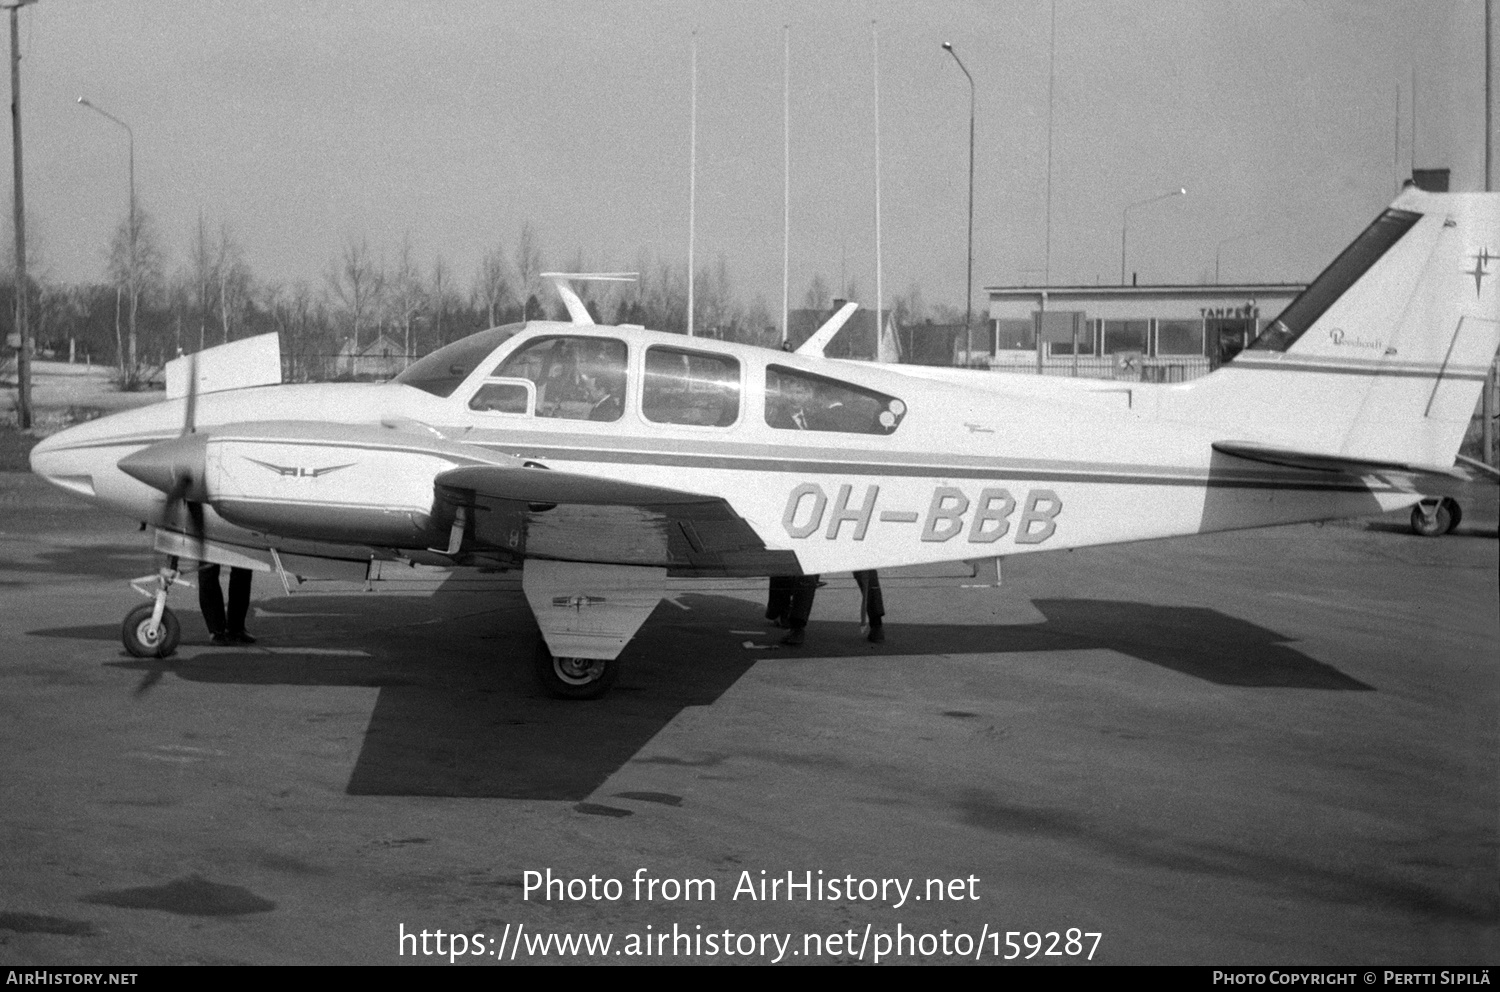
x: 784, y: 467
x: 979, y: 468
x: 1434, y: 372
x: 575, y: 447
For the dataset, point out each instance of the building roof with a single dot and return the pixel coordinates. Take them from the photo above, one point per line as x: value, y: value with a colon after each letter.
x: 1176, y: 290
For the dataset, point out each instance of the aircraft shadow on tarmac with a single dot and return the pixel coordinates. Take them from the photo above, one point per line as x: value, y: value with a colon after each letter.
x: 459, y: 714
x: 108, y: 561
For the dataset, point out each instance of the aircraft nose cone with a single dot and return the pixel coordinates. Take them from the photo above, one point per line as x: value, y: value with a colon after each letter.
x: 175, y: 467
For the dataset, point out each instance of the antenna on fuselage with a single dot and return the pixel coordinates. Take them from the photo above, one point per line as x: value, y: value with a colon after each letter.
x: 814, y: 345
x: 562, y: 282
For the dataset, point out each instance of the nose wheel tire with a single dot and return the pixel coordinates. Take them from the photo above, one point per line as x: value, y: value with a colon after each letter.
x: 575, y: 678
x: 143, y: 642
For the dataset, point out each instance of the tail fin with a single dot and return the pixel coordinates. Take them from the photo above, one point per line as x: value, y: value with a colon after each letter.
x: 1382, y: 358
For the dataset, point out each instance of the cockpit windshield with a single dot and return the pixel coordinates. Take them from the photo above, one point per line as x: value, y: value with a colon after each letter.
x: 441, y: 372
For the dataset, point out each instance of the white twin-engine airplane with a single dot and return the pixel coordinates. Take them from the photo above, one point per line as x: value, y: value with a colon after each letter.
x: 605, y: 462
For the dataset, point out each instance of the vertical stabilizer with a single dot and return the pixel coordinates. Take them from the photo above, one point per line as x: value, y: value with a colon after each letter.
x: 1382, y: 358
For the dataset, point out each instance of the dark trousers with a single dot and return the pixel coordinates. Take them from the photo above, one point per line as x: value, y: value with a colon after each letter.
x: 791, y: 596
x: 211, y: 599
x: 873, y: 605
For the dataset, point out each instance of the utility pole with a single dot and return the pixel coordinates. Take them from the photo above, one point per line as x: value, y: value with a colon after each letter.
x: 23, y: 333
x: 1492, y: 382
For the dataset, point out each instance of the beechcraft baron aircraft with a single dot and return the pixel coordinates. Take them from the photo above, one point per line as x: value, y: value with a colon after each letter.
x: 600, y: 461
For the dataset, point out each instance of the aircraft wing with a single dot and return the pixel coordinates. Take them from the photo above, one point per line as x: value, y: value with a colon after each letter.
x: 527, y: 512
x: 1323, y: 462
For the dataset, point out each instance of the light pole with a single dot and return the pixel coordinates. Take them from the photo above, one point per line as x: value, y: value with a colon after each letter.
x: 1220, y: 248
x: 969, y: 284
x: 1125, y: 222
x: 130, y: 245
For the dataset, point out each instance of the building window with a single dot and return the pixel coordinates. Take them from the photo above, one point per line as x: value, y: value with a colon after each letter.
x: 1087, y: 335
x: 1125, y: 335
x: 1179, y: 337
x: 1014, y: 335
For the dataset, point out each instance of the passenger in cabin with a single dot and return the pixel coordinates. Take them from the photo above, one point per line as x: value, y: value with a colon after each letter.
x: 606, y: 395
x: 791, y: 403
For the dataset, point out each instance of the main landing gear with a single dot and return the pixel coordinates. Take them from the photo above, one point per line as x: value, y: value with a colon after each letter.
x: 572, y: 677
x: 1436, y: 517
x: 152, y: 630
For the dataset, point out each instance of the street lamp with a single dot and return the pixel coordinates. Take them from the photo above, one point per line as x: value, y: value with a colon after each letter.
x: 969, y: 284
x: 131, y: 243
x: 1125, y: 221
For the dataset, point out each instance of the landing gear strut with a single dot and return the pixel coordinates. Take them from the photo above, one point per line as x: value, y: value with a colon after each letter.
x: 151, y: 630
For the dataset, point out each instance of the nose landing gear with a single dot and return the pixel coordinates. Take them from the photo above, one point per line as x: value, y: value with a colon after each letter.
x: 151, y: 630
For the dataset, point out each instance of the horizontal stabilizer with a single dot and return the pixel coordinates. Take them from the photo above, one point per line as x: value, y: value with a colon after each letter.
x: 1323, y: 462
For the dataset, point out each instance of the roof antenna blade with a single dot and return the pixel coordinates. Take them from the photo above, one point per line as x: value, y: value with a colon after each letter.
x: 814, y: 345
x: 563, y: 283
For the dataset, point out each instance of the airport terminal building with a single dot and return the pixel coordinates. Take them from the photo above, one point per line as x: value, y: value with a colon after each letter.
x: 1155, y: 333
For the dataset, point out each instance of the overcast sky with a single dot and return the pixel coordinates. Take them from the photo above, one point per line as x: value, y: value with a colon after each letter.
x: 301, y: 124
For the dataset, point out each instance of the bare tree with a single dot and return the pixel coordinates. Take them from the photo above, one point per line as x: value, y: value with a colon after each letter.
x: 440, y: 300
x: 714, y: 299
x: 758, y: 326
x: 665, y: 302
x: 204, y: 280
x: 407, y: 294
x: 358, y: 282
x: 528, y: 265
x: 301, y: 319
x: 910, y: 308
x: 816, y: 297
x: 135, y: 267
x: 232, y: 281
x: 492, y: 284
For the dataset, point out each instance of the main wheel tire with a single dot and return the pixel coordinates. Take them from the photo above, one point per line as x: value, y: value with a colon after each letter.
x: 575, y: 678
x: 1455, y: 513
x: 141, y: 642
x: 1435, y: 525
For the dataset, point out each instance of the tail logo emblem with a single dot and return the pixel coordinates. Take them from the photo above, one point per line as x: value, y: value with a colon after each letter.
x: 1482, y: 258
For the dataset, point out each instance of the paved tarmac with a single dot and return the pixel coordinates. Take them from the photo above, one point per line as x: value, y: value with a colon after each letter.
x: 1274, y: 747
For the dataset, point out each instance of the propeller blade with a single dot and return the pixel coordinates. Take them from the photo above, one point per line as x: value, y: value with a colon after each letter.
x: 189, y: 425
x: 195, y: 529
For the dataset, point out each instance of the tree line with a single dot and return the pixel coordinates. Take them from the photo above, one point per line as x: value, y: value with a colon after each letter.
x: 145, y: 314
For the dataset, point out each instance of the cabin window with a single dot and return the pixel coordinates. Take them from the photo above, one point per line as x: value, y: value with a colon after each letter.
x: 443, y: 371
x: 512, y: 396
x: 800, y: 401
x: 576, y: 378
x: 690, y: 387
